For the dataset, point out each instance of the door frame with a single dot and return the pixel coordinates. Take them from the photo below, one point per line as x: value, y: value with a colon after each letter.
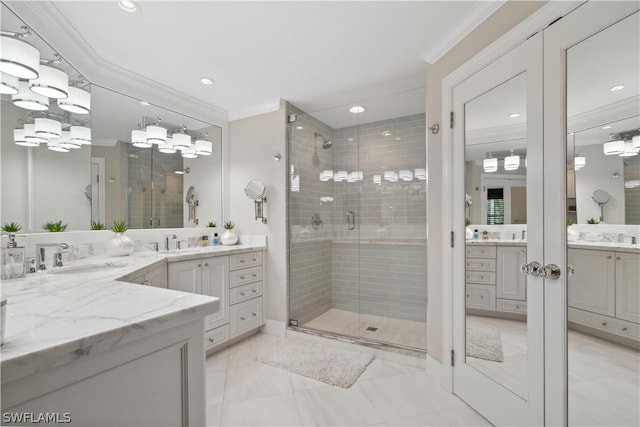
x: 534, y: 23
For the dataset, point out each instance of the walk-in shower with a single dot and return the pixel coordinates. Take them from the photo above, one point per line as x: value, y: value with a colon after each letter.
x: 357, y: 222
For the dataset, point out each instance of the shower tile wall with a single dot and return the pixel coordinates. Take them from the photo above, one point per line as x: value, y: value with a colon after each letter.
x: 632, y: 195
x: 324, y: 271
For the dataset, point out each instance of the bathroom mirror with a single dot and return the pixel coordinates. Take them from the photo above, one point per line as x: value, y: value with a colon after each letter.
x: 111, y: 180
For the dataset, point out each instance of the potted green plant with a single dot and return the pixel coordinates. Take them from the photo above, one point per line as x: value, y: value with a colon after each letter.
x: 592, y: 221
x: 55, y: 226
x: 228, y: 237
x: 120, y: 245
x: 11, y: 228
x: 211, y: 224
x: 97, y: 225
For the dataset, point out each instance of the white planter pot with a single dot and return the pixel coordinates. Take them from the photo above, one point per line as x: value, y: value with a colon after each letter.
x: 228, y: 238
x: 120, y: 245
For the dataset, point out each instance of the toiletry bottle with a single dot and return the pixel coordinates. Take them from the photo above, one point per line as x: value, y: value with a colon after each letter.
x: 216, y: 239
x: 475, y: 234
x: 204, y: 241
x: 485, y: 235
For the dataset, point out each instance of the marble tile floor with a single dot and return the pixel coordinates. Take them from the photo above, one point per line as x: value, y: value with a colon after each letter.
x: 244, y: 392
x: 604, y: 377
x: 406, y: 333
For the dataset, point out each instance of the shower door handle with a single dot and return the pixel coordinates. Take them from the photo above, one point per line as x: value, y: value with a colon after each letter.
x: 351, y: 220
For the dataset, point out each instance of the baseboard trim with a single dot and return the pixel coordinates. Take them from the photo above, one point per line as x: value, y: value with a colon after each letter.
x: 274, y: 327
x: 435, y: 371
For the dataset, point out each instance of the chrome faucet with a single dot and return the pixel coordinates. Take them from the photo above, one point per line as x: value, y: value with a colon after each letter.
x: 166, y: 240
x: 57, y: 257
x: 524, y: 234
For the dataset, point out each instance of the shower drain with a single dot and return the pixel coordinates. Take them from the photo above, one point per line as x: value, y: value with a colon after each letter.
x: 371, y: 328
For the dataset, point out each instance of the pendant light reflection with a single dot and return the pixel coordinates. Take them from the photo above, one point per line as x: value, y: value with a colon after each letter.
x: 19, y: 58
x: 29, y: 100
x: 139, y: 139
x: 204, y: 147
x: 490, y: 164
x: 9, y: 85
x: 78, y: 101
x: 52, y: 83
x: 48, y: 128
x: 81, y: 135
x: 66, y: 142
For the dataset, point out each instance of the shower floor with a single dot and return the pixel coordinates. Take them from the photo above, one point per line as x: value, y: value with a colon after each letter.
x: 405, y: 333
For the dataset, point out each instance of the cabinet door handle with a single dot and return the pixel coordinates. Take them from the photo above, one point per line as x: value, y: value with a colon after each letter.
x: 254, y: 275
x: 241, y: 261
x: 618, y: 258
x: 481, y: 296
x: 467, y: 295
x: 211, y: 340
x: 242, y: 318
x: 609, y: 257
x: 253, y: 314
x: 604, y: 323
x: 242, y: 294
x: 254, y: 291
x: 199, y: 265
x: 206, y: 264
x: 624, y: 329
x: 242, y: 277
x: 254, y: 260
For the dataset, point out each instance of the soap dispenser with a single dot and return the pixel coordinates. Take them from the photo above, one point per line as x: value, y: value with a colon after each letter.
x: 12, y: 260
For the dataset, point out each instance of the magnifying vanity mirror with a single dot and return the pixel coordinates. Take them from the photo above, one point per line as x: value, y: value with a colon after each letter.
x: 256, y: 191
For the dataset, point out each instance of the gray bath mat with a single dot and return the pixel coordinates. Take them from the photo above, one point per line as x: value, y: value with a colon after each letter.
x: 319, y: 361
x: 484, y: 343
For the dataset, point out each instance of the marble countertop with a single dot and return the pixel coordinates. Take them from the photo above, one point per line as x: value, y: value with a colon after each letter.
x: 53, y: 319
x: 610, y: 246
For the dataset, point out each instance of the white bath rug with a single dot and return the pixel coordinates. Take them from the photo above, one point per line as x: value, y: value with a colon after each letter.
x: 317, y: 360
x: 484, y: 343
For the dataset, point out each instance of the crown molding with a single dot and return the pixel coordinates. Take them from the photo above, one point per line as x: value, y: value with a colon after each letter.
x: 481, y: 12
x: 46, y: 20
x: 255, y: 110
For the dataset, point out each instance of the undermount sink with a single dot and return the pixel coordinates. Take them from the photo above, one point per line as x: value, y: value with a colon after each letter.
x: 86, y: 268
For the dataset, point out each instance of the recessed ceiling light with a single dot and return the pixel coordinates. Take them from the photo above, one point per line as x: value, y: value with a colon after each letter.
x: 616, y: 88
x: 514, y: 115
x: 206, y: 81
x: 398, y: 138
x: 607, y: 127
x: 128, y: 5
x: 299, y: 127
x: 144, y: 103
x: 350, y: 139
x: 357, y: 109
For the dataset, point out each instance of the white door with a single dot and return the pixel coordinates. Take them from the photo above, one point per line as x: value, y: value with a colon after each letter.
x: 498, y: 363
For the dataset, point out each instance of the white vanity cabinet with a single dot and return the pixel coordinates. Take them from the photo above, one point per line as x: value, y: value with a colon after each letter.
x: 206, y: 276
x: 627, y: 286
x: 480, y: 277
x: 592, y: 287
x: 155, y: 276
x: 245, y: 283
x: 511, y: 283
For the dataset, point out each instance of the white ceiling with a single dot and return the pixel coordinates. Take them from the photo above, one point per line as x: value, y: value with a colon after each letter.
x: 317, y: 55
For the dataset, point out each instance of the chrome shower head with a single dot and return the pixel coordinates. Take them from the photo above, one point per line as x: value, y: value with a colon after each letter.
x: 325, y: 144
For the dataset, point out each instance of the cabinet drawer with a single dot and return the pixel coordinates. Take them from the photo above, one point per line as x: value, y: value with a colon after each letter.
x: 481, y: 264
x: 480, y: 251
x: 605, y: 323
x: 245, y: 292
x: 248, y: 275
x: 482, y: 277
x: 245, y: 260
x: 216, y: 336
x: 246, y: 316
x: 511, y: 306
x: 481, y: 296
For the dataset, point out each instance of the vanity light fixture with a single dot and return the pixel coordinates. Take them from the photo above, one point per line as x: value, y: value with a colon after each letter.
x: 157, y: 135
x: 420, y: 173
x: 377, y: 179
x: 9, y: 85
x: 635, y: 143
x: 613, y: 147
x: 203, y: 147
x: 54, y: 145
x: 167, y: 147
x: 206, y: 81
x: 128, y: 6
x: 490, y: 164
x: 139, y: 139
x: 29, y: 100
x: 391, y: 176
x: 189, y: 153
x: 52, y: 83
x: 18, y: 58
x: 182, y: 141
x: 48, y: 128
x: 628, y: 150
x: 66, y: 142
x: 616, y: 88
x: 78, y: 101
x: 31, y: 137
x: 357, y: 109
x: 80, y: 135
x: 579, y: 162
x: 19, y: 139
x: 511, y: 162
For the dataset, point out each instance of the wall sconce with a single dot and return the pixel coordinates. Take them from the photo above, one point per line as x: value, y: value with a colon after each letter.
x: 257, y: 191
